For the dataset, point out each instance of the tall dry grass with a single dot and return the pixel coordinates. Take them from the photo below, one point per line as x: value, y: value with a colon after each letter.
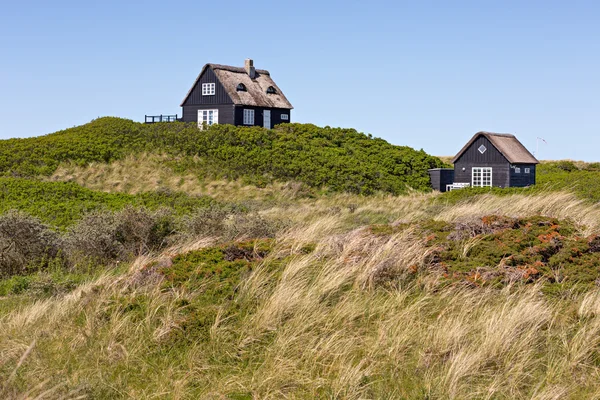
x: 146, y: 172
x: 360, y: 316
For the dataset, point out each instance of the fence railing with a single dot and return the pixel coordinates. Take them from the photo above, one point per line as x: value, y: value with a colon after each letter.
x: 151, y: 119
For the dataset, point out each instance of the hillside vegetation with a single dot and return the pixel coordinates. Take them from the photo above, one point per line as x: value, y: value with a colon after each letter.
x: 160, y: 261
x: 581, y: 178
x: 338, y: 159
x: 63, y: 203
x: 355, y: 297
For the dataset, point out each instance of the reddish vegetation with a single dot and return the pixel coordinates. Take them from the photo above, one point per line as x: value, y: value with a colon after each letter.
x: 509, y: 250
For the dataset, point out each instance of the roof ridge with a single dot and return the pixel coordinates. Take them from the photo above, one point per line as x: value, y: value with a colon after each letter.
x: 236, y: 69
x: 496, y: 134
x: 507, y: 144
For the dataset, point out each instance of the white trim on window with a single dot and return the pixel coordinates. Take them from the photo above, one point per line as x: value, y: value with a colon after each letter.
x: 208, y: 89
x: 527, y: 170
x: 207, y: 117
x: 248, y: 116
x: 517, y: 170
x: 481, y: 177
x: 285, y: 117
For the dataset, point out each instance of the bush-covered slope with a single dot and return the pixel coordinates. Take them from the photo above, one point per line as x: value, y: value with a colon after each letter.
x: 62, y: 203
x: 582, y: 178
x: 339, y: 159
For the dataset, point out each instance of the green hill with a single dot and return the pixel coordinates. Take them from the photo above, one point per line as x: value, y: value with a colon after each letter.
x: 139, y: 261
x: 338, y: 159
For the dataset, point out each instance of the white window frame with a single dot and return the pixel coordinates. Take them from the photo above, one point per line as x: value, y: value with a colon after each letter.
x: 208, y: 89
x: 527, y: 170
x: 285, y: 117
x: 248, y: 116
x: 517, y: 170
x: 480, y: 175
x: 207, y: 117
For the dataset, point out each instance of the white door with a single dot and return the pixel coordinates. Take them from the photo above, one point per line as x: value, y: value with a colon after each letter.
x: 481, y: 177
x: 207, y: 117
x: 267, y: 119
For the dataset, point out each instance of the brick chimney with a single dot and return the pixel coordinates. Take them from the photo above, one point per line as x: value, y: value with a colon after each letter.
x: 249, y: 66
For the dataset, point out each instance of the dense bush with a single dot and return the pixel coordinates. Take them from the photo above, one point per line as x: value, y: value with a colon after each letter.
x: 246, y: 226
x: 557, y: 166
x: 207, y: 221
x: 25, y: 242
x: 102, y: 237
x: 107, y: 236
x: 229, y: 224
x: 339, y: 159
x: 63, y: 203
x: 583, y: 180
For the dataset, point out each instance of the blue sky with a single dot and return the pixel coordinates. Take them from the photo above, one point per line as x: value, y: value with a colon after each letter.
x: 427, y: 74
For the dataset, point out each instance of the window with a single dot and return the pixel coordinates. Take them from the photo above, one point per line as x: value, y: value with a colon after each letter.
x: 207, y: 117
x: 481, y: 177
x: 482, y: 149
x: 208, y: 89
x: 517, y: 170
x: 527, y: 170
x: 248, y: 117
x: 285, y: 117
x: 241, y: 88
x: 271, y: 90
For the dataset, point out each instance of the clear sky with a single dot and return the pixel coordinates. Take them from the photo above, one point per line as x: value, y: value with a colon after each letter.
x: 428, y: 74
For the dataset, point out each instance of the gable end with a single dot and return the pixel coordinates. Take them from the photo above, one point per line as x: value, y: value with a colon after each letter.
x: 506, y: 144
x: 471, y: 154
x: 194, y: 95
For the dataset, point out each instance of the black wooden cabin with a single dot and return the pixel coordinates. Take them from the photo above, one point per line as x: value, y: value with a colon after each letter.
x: 246, y: 96
x: 490, y: 159
x: 494, y: 159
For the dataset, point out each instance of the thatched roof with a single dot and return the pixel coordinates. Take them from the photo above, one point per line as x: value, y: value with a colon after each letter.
x: 256, y: 89
x: 508, y: 145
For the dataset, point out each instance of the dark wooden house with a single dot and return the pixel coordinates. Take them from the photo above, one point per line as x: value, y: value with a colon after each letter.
x: 488, y: 159
x: 223, y: 94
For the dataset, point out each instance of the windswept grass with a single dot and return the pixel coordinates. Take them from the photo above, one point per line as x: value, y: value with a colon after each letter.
x: 329, y: 308
x: 140, y: 173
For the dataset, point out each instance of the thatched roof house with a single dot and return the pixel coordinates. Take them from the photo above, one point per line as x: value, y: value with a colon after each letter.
x: 488, y: 159
x: 235, y: 95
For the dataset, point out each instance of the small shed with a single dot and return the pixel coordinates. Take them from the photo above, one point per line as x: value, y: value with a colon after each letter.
x: 441, y: 178
x: 494, y: 159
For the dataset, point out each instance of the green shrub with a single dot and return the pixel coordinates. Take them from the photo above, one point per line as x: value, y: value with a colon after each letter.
x: 64, y: 203
x: 205, y: 222
x: 210, y: 274
x: 251, y: 225
x: 25, y: 243
x: 109, y: 236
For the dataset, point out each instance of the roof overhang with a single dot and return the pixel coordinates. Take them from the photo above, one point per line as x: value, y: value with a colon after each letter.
x: 507, y: 144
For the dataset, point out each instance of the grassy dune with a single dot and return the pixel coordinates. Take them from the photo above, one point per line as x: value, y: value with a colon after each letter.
x: 342, y: 160
x: 147, y: 172
x: 169, y: 262
x: 328, y: 308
